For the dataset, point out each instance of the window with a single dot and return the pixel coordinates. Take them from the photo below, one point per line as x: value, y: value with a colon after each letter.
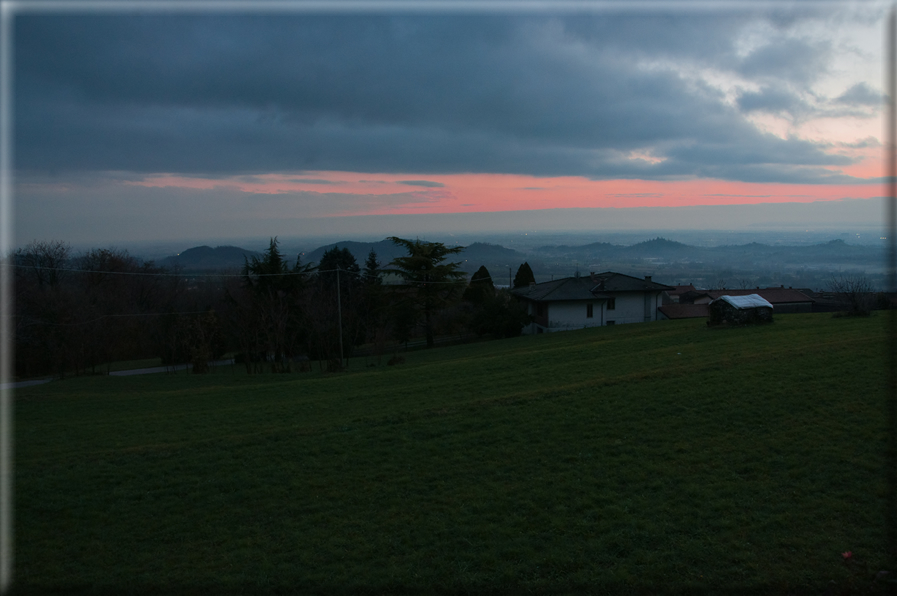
x: 611, y: 303
x: 588, y: 311
x: 610, y: 322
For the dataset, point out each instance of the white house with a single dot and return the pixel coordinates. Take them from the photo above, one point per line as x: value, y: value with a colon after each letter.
x: 600, y: 299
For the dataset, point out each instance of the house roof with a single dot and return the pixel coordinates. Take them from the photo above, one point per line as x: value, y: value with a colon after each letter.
x: 596, y: 285
x: 684, y: 311
x: 677, y: 290
x: 772, y: 295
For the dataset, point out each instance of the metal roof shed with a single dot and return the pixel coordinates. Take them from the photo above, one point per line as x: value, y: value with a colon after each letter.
x: 740, y: 310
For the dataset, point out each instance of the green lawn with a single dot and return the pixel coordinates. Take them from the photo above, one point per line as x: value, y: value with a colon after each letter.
x: 663, y: 457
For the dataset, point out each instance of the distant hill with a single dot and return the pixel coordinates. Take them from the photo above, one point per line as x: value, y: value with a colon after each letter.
x: 563, y: 260
x: 206, y: 258
x: 753, y: 254
x: 497, y: 259
x: 385, y: 249
x: 659, y: 247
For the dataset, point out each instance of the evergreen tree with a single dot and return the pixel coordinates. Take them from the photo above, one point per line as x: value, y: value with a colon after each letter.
x: 432, y: 280
x: 270, y: 319
x: 338, y: 258
x: 481, y: 286
x: 272, y: 272
x: 373, y: 303
x: 500, y: 315
x: 371, y: 273
x: 524, y: 276
x: 339, y: 264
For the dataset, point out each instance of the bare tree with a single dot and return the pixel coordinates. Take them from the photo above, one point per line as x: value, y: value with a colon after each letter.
x: 855, y: 293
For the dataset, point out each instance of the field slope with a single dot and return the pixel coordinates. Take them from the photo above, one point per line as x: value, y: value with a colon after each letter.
x: 663, y: 457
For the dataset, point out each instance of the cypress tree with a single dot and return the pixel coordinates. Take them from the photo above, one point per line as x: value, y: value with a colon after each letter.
x: 481, y: 286
x: 524, y: 276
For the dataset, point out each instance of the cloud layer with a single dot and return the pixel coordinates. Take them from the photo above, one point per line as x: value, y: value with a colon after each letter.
x: 660, y: 96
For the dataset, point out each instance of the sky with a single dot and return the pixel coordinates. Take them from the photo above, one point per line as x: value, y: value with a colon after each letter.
x: 208, y: 123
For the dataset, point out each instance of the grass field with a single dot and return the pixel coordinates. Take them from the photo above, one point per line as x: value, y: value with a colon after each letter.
x: 664, y: 457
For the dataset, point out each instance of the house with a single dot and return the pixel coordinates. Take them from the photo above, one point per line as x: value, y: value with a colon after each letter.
x: 740, y: 310
x: 597, y: 300
x: 672, y: 296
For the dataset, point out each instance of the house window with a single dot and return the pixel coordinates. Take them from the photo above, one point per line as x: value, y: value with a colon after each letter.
x: 588, y: 311
x: 611, y: 322
x: 611, y: 303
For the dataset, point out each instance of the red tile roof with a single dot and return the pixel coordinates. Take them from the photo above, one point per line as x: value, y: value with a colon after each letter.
x: 681, y: 290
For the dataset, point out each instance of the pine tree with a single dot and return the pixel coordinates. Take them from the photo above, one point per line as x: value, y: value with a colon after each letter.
x: 270, y: 319
x: 371, y: 273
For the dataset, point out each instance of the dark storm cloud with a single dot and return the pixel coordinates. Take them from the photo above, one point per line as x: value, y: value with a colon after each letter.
x: 212, y: 96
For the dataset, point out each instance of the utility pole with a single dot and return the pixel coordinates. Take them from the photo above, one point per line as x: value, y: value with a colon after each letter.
x: 339, y: 310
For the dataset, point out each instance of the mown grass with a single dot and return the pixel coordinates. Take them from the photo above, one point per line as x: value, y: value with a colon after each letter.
x: 664, y: 457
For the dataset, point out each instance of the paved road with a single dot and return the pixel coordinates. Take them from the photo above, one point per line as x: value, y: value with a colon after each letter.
x: 119, y: 373
x: 18, y: 384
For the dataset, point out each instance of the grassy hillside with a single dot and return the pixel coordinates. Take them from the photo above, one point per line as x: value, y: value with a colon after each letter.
x: 656, y: 457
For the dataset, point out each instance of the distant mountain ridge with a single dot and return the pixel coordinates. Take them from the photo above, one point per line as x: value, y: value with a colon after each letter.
x: 206, y: 258
x: 558, y: 259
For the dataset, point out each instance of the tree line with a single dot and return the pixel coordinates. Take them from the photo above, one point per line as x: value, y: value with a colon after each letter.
x: 75, y: 314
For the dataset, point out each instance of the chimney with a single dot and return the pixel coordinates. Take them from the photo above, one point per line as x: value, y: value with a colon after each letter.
x: 647, y: 278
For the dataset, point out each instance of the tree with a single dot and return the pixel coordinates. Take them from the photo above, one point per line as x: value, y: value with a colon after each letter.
x: 371, y: 274
x: 524, y: 276
x: 480, y: 288
x: 75, y: 313
x: 269, y: 319
x: 45, y: 260
x: 431, y: 280
x: 342, y: 259
x: 500, y: 315
x: 45, y: 313
x: 855, y: 293
x: 339, y: 274
x: 272, y: 272
x: 373, y: 311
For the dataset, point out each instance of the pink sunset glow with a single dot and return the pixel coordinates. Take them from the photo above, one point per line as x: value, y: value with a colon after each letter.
x: 466, y: 193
